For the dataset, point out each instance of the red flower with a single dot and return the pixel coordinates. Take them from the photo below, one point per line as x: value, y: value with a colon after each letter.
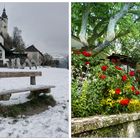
x: 104, y: 68
x: 118, y: 68
x: 124, y: 77
x: 87, y: 54
x: 102, y: 76
x: 137, y: 92
x: 87, y: 63
x: 114, y: 60
x: 131, y: 73
x: 117, y: 91
x: 124, y: 102
x: 132, y: 88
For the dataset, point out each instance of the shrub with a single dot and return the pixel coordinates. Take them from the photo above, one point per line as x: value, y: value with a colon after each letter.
x: 101, y: 87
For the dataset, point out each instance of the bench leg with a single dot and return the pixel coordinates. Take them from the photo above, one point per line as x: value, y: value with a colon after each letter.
x: 35, y: 94
x: 5, y: 97
x: 32, y: 80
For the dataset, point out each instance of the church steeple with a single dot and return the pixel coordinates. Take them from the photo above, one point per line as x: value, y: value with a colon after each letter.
x: 4, y: 14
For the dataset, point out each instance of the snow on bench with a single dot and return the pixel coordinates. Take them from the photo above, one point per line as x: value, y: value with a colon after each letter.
x: 32, y: 88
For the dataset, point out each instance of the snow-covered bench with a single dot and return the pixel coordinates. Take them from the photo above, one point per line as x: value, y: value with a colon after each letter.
x: 33, y: 88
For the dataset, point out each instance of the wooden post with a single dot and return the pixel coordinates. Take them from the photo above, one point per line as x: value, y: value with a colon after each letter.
x: 32, y: 80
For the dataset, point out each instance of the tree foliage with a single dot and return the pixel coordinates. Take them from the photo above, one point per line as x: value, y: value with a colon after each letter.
x: 107, y: 23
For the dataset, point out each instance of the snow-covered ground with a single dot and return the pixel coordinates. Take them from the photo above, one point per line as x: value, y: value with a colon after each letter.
x: 50, y: 123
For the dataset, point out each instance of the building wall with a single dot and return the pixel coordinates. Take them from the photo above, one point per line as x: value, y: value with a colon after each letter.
x: 2, y: 55
x: 4, y: 27
x: 36, y: 56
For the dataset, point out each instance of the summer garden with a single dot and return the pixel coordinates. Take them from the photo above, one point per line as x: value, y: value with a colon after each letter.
x: 103, y: 84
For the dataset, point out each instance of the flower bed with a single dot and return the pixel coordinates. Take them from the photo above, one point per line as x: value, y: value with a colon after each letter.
x: 102, y: 87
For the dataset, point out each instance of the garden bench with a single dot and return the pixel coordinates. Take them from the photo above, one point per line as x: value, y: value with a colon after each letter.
x: 33, y: 88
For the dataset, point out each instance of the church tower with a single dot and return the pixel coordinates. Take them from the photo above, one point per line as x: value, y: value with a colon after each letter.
x: 4, y: 24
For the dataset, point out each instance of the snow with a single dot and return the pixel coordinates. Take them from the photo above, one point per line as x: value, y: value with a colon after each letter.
x: 52, y: 123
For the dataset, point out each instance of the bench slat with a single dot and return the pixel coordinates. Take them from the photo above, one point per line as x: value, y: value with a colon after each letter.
x: 20, y: 74
x: 31, y: 88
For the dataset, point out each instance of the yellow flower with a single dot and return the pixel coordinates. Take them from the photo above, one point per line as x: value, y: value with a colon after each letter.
x: 112, y: 91
x: 134, y: 105
x: 128, y: 86
x: 107, y: 101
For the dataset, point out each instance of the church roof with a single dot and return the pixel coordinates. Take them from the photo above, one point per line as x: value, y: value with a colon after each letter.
x: 32, y: 48
x: 4, y: 14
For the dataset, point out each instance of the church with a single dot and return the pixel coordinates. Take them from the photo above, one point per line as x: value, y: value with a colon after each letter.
x: 3, y: 33
x: 9, y: 53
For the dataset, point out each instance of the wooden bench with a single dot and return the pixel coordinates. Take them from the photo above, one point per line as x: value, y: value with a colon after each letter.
x: 33, y: 88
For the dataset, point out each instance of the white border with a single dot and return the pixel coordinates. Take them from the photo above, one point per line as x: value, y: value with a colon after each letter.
x: 69, y: 70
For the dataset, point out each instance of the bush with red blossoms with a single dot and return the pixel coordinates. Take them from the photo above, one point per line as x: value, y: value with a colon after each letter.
x: 102, y: 87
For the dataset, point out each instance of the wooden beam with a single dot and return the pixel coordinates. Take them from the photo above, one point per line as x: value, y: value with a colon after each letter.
x: 19, y: 74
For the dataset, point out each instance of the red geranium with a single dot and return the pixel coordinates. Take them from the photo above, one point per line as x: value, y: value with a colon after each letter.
x: 124, y: 77
x: 131, y: 73
x: 118, y: 68
x: 102, y: 76
x: 87, y: 63
x: 137, y: 92
x: 124, y: 102
x: 118, y: 90
x: 132, y: 88
x: 87, y: 54
x: 104, y: 68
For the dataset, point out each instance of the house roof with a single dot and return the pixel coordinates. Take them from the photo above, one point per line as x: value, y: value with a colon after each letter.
x: 32, y: 48
x: 123, y: 59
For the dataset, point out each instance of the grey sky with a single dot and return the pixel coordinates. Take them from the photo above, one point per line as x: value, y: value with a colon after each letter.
x: 43, y: 24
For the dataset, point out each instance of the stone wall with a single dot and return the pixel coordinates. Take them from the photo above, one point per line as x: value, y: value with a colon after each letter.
x: 121, y: 125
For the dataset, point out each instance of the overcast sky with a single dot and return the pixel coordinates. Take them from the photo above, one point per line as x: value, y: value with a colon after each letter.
x: 43, y: 24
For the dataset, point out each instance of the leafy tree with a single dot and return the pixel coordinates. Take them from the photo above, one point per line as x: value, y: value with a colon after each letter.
x: 99, y: 25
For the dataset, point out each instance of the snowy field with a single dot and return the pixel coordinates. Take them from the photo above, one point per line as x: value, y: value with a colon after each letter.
x: 50, y: 123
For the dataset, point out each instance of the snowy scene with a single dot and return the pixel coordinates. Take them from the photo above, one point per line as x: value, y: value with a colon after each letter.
x: 34, y: 70
x: 50, y: 123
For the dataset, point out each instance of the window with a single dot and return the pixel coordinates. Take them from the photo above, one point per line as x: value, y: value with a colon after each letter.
x: 0, y: 54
